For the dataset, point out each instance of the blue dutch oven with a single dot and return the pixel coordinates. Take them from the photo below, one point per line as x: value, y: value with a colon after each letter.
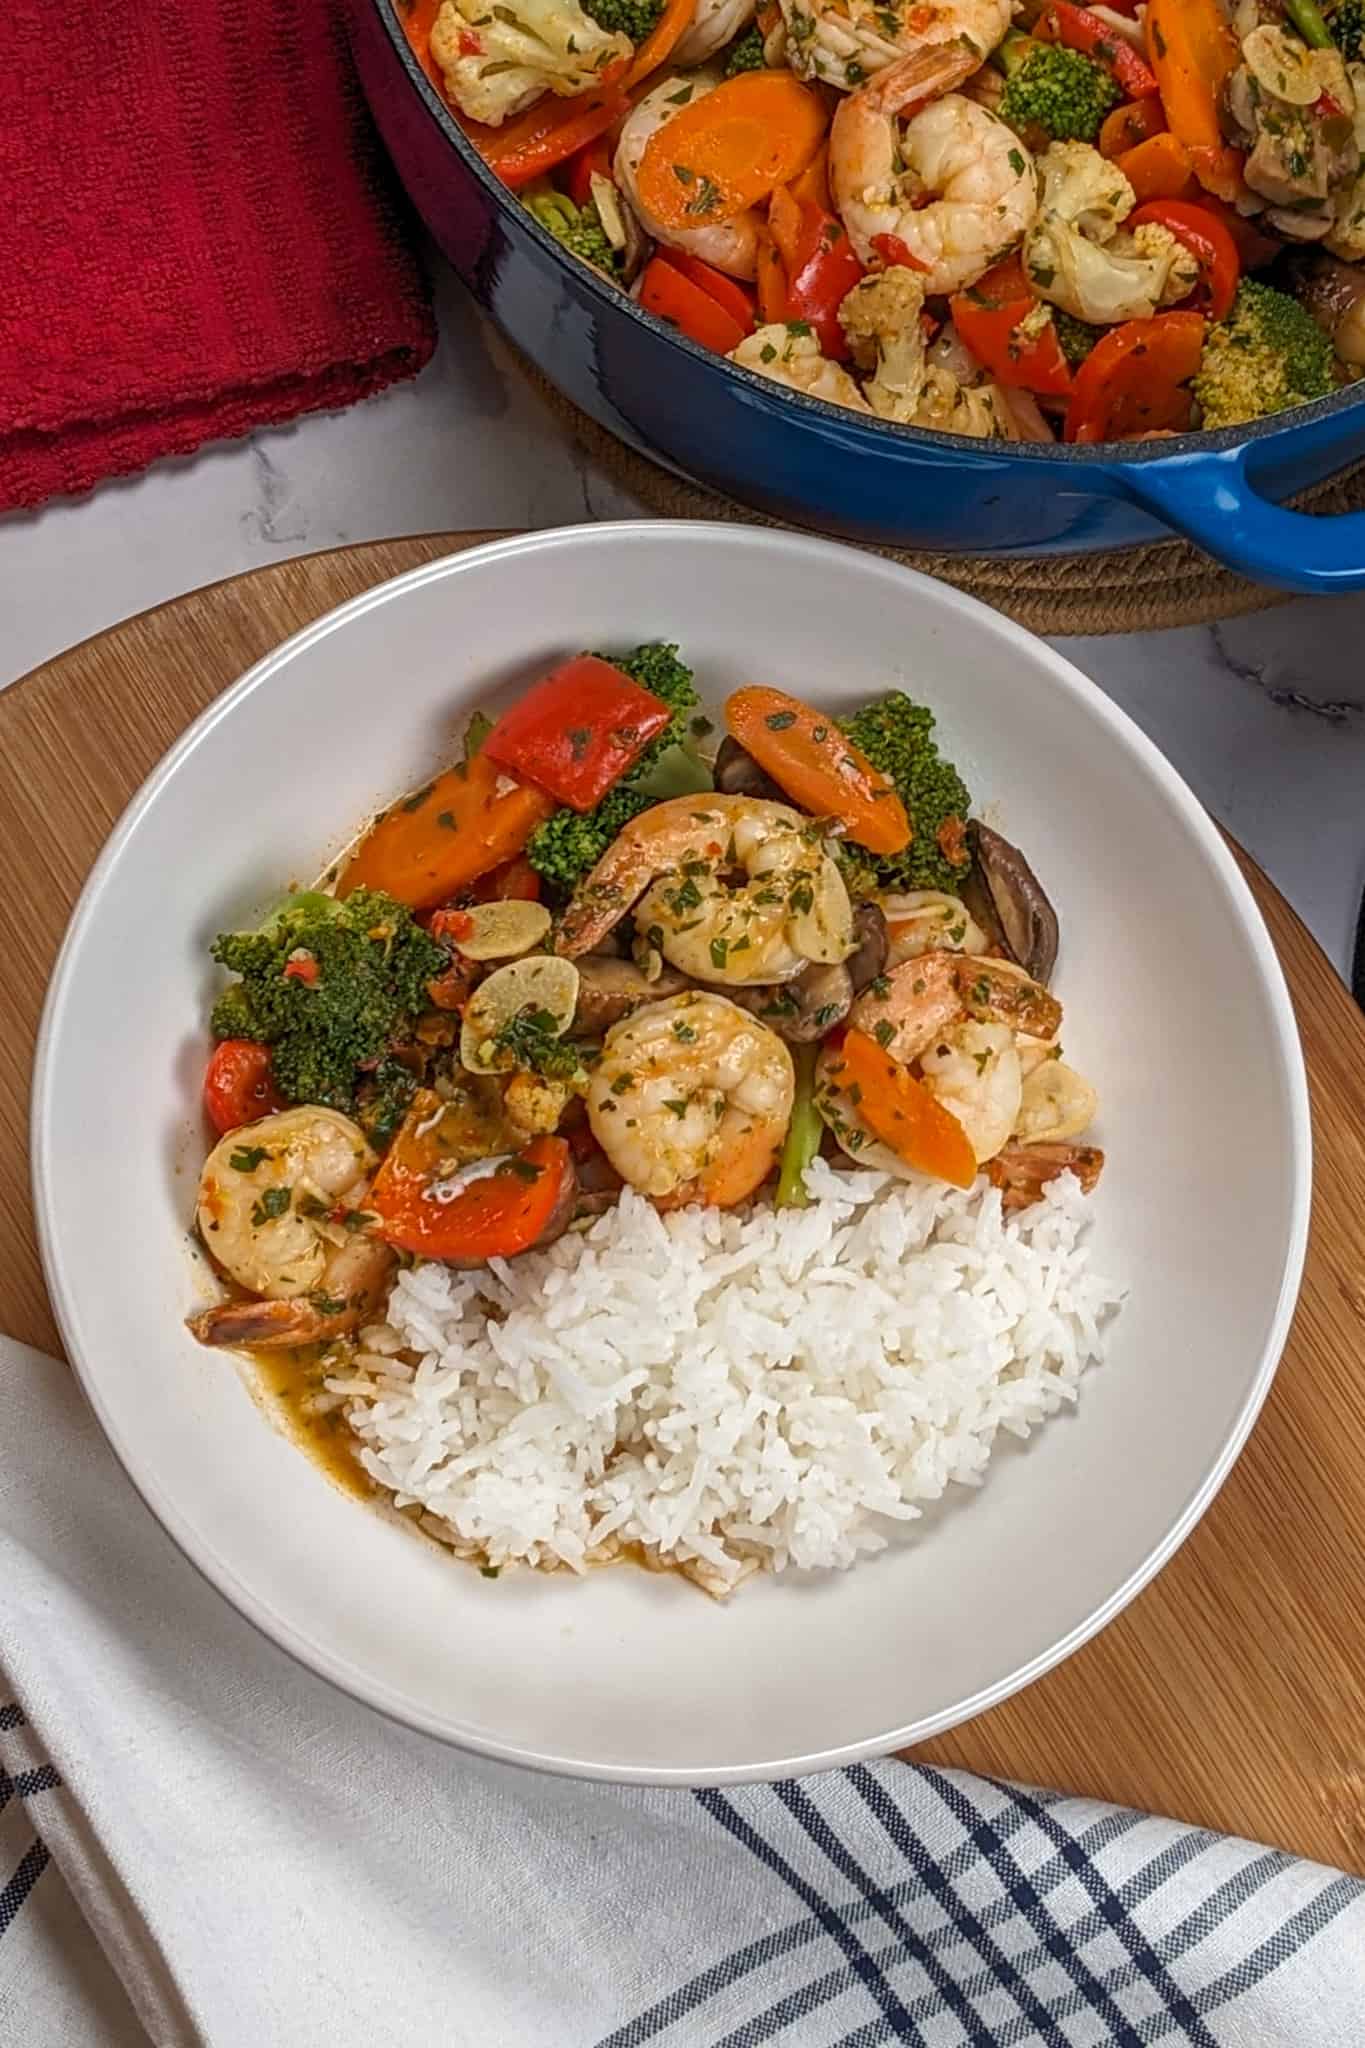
x: 815, y: 464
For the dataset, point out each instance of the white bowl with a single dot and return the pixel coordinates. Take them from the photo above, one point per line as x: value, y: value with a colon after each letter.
x: 1175, y: 1007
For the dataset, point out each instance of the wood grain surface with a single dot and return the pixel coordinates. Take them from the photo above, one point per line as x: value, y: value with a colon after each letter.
x: 1231, y: 1692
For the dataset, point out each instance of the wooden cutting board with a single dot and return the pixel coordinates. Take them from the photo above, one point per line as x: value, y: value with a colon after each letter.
x: 1232, y: 1692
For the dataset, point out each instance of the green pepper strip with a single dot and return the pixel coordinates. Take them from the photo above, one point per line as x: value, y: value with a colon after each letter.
x: 1308, y: 19
x: 803, y: 1134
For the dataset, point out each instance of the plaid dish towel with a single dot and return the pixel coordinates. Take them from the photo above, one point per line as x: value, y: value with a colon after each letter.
x: 201, y: 1843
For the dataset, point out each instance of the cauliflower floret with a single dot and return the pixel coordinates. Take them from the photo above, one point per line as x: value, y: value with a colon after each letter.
x: 790, y: 354
x: 1156, y: 244
x: 880, y: 316
x: 498, y: 60
x: 1076, y: 255
x: 976, y: 410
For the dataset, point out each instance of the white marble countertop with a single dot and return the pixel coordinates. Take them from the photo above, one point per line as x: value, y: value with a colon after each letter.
x: 1265, y: 716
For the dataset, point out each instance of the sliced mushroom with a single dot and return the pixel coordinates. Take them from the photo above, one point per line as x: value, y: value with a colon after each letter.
x: 803, y: 1010
x: 1014, y: 900
x: 1021, y: 1172
x: 870, y: 942
x: 1334, y: 293
x: 738, y: 774
x: 610, y: 989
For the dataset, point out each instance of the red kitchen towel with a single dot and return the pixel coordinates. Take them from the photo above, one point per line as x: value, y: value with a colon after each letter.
x: 198, y: 234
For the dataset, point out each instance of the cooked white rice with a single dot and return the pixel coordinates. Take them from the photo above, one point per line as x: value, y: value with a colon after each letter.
x: 728, y: 1391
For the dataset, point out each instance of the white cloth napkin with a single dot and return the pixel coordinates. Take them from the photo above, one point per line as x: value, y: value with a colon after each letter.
x: 200, y: 1843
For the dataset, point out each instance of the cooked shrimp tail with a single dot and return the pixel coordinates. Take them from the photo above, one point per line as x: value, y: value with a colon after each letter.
x: 355, y: 1283
x: 281, y: 1208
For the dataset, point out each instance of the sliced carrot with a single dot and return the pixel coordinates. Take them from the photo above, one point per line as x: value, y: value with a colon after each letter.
x: 812, y: 187
x: 1159, y: 168
x: 900, y: 1111
x: 730, y: 148
x: 770, y: 277
x: 496, y: 1217
x: 806, y: 755
x: 669, y: 295
x: 784, y: 225
x: 437, y: 841
x: 1131, y: 124
x: 658, y: 45
x: 1193, y: 51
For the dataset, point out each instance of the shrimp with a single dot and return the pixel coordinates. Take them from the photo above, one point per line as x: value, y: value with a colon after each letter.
x: 928, y: 921
x: 714, y: 24
x: 973, y: 1070
x: 728, y: 245
x: 844, y: 42
x: 953, y: 183
x: 730, y: 889
x: 906, y: 1010
x: 691, y: 1100
x: 270, y: 1196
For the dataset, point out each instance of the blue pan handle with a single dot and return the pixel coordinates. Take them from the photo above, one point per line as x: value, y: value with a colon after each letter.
x: 1211, y: 499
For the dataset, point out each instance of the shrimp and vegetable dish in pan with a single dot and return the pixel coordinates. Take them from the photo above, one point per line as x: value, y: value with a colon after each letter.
x: 655, y: 1139
x: 1031, y: 220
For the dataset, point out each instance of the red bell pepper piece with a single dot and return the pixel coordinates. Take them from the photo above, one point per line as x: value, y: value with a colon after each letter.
x: 1078, y: 29
x: 1255, y: 248
x: 577, y: 731
x: 594, y: 161
x: 666, y: 292
x: 893, y: 250
x: 515, y: 881
x: 988, y: 317
x: 550, y: 132
x: 1133, y: 380
x: 239, y: 1084
x: 821, y: 271
x: 1207, y: 240
x: 731, y: 297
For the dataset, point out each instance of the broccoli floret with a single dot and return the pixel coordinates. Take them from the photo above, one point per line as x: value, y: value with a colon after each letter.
x: 1063, y: 92
x: 328, y: 986
x: 579, y: 228
x: 898, y: 737
x: 569, y: 843
x: 1347, y: 26
x: 1077, y: 337
x: 634, y: 18
x: 746, y: 52
x: 1267, y: 355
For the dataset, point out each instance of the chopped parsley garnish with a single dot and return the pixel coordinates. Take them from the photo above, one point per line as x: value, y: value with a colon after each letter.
x: 274, y: 1202
x: 246, y: 1158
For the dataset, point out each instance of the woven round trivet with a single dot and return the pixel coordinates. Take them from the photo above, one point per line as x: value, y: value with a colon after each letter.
x: 1123, y: 590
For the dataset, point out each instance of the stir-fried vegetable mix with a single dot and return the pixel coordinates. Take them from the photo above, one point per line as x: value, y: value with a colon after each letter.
x: 938, y: 216
x: 770, y: 933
